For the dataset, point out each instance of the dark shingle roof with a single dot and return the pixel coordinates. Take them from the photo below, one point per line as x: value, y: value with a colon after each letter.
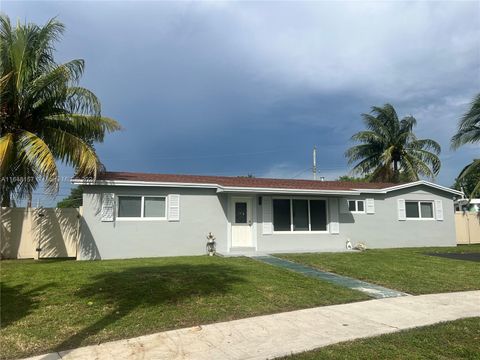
x: 242, y: 181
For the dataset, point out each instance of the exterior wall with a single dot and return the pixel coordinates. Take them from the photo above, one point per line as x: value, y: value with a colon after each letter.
x: 379, y: 230
x: 201, y: 211
x: 384, y: 230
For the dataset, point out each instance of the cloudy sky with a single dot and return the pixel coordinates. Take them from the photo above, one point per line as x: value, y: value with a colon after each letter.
x: 249, y: 88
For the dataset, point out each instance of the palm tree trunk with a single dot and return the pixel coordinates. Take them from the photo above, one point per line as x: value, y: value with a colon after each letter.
x: 396, y: 177
x: 29, y: 201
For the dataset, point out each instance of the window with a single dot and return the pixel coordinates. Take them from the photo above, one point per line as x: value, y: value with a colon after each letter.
x: 419, y: 209
x: 299, y: 215
x: 153, y: 207
x: 129, y: 206
x: 240, y: 212
x: 281, y: 215
x: 318, y: 215
x: 356, y: 206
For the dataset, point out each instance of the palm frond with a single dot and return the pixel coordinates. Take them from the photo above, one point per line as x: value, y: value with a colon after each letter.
x: 7, y: 146
x: 469, y: 126
x: 73, y: 151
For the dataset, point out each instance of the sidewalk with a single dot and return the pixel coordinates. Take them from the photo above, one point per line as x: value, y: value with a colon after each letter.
x: 373, y: 290
x: 282, y: 334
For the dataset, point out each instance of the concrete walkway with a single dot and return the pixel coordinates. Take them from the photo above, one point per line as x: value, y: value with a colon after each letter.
x: 269, y: 336
x: 376, y: 291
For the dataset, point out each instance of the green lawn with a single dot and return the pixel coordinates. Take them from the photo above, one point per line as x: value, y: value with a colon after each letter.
x: 408, y: 270
x: 57, y: 305
x: 458, y: 339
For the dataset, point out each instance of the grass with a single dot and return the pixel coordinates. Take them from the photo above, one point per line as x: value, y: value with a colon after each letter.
x: 409, y: 270
x: 57, y: 305
x: 458, y: 339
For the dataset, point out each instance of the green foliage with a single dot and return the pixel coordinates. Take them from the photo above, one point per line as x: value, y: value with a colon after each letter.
x: 469, y: 179
x: 469, y: 133
x: 389, y: 151
x: 469, y: 126
x: 45, y: 115
x: 74, y: 200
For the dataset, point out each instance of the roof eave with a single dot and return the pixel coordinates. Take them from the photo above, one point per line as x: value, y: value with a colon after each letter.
x: 219, y: 188
x: 412, y: 184
x: 235, y: 189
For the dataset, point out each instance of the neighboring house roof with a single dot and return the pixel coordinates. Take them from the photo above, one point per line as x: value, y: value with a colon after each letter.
x: 248, y: 184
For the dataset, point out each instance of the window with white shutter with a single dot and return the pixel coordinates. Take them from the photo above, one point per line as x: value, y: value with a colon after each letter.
x: 402, y: 216
x: 439, y: 210
x: 267, y: 216
x: 173, y: 207
x: 334, y: 224
x: 370, y: 206
x: 108, y: 207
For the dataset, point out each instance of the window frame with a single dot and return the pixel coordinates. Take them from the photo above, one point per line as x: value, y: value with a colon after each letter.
x: 356, y: 211
x: 420, y: 210
x: 142, y: 208
x: 309, y: 231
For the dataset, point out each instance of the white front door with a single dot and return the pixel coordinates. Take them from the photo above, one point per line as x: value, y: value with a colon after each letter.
x: 242, y: 222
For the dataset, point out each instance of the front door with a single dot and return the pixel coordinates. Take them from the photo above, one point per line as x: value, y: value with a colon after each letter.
x: 242, y: 222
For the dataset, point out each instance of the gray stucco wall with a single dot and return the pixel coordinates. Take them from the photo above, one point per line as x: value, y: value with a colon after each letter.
x: 379, y: 230
x: 201, y: 211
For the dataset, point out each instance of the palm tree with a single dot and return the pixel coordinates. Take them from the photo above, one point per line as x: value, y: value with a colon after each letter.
x: 469, y: 133
x: 390, y: 151
x: 44, y: 114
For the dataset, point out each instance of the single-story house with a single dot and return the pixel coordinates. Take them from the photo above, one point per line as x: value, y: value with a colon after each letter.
x: 128, y: 215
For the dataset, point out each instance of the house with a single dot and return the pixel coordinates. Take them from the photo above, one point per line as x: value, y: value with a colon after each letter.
x: 128, y: 215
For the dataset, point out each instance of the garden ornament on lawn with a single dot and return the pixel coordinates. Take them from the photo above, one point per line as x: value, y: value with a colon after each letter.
x: 360, y: 246
x: 211, y: 244
x: 348, y: 245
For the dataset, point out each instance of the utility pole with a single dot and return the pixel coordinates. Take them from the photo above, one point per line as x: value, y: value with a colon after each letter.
x: 314, y: 163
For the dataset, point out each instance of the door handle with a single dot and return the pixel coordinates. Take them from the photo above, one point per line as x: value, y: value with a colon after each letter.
x: 250, y: 222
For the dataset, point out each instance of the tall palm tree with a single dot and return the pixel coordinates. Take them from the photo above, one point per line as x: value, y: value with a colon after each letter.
x: 390, y: 151
x: 44, y: 114
x: 469, y: 133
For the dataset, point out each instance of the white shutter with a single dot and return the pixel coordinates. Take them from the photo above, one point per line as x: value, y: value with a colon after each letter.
x: 439, y: 210
x: 333, y: 207
x: 173, y: 207
x: 108, y: 207
x: 343, y: 206
x: 267, y: 215
x: 370, y: 206
x: 402, y: 215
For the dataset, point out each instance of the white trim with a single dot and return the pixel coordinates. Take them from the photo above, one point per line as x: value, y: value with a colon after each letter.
x: 411, y: 184
x: 220, y: 188
x: 286, y: 191
x: 356, y: 206
x: 142, y: 209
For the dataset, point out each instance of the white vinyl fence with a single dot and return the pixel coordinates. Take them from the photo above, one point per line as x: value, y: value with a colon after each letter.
x: 33, y: 233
